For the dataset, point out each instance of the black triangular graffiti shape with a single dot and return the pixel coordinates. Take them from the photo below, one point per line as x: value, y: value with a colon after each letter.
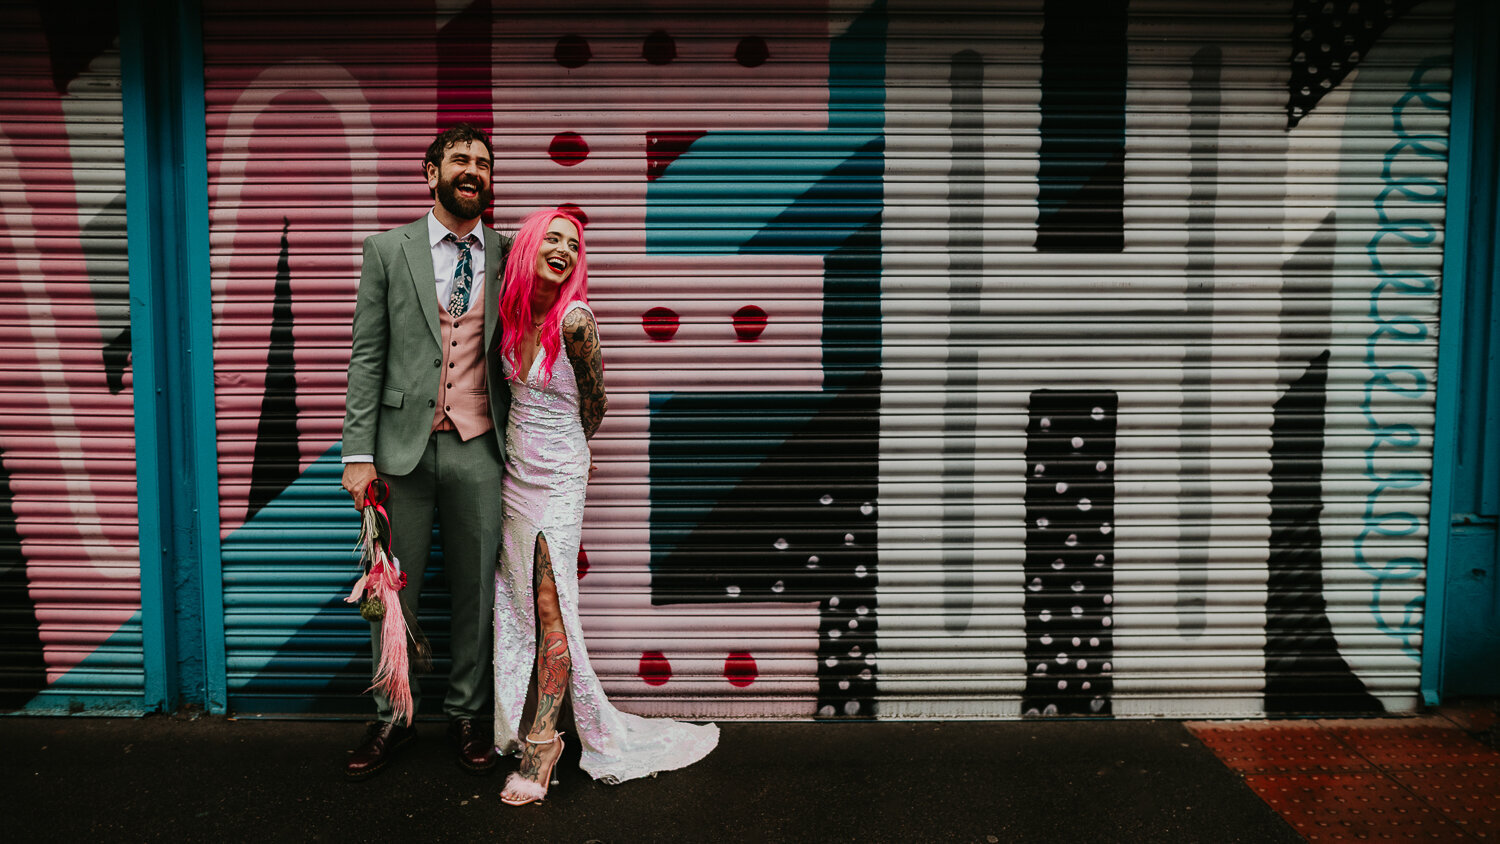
x: 1305, y: 673
x: 77, y: 33
x: 277, y: 458
x: 1329, y: 40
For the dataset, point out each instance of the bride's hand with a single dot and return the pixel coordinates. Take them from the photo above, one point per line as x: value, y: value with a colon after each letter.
x: 592, y: 468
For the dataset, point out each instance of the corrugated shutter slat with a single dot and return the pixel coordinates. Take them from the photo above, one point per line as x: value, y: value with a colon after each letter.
x: 69, y: 557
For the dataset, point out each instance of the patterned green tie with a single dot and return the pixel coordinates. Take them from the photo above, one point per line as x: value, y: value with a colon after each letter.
x: 463, y: 276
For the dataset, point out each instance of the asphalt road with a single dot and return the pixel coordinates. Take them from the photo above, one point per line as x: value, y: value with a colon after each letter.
x: 212, y: 779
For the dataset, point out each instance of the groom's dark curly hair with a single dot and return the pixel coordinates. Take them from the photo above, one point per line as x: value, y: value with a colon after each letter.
x: 458, y: 133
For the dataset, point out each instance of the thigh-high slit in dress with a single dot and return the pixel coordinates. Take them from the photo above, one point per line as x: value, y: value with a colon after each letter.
x: 546, y: 477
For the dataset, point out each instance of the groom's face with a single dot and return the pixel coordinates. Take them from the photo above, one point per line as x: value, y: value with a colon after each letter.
x: 462, y: 183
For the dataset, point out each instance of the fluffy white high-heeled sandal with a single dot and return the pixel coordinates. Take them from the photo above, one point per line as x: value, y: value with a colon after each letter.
x: 527, y: 791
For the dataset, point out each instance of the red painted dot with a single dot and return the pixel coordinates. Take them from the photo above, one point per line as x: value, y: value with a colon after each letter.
x: 568, y: 148
x: 583, y: 563
x: 752, y: 51
x: 655, y: 669
x: 572, y: 51
x: 570, y: 208
x: 740, y: 670
x: 749, y: 322
x: 660, y: 324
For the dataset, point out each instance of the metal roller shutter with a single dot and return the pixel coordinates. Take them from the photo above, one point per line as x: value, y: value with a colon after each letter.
x: 313, y: 121
x: 886, y: 292
x: 317, y: 123
x: 1160, y: 297
x: 70, y: 624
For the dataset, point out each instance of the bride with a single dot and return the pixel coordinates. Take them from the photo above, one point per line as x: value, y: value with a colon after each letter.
x: 554, y: 410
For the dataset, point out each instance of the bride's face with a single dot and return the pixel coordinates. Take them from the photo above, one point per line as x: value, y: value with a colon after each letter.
x: 558, y: 254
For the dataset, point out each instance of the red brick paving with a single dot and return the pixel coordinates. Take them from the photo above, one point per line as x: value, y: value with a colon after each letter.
x: 1394, y: 747
x: 1418, y: 779
x: 1352, y: 807
x: 1469, y: 795
x: 1273, y: 747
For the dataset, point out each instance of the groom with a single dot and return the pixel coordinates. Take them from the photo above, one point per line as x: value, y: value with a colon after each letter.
x: 426, y: 412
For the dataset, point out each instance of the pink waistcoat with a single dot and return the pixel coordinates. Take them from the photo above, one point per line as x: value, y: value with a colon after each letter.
x: 463, y: 400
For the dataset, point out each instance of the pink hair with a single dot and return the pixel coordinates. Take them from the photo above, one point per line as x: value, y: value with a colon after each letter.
x: 519, y: 279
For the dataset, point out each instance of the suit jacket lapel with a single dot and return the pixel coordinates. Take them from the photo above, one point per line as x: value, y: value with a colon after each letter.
x: 491, y: 285
x: 419, y: 262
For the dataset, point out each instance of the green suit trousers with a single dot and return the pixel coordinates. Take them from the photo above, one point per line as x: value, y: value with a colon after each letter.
x: 455, y: 485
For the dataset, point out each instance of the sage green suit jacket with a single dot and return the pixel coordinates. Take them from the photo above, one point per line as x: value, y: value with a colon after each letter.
x: 395, y: 362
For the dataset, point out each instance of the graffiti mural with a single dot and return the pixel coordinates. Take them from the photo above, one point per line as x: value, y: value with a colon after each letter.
x: 1046, y: 358
x: 1147, y: 226
x: 69, y: 562
x: 799, y: 521
x: 861, y: 291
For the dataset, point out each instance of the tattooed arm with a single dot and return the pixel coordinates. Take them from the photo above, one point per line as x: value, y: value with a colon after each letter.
x: 581, y: 337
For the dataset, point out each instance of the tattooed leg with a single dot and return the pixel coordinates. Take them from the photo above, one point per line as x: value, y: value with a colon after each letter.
x: 554, y: 665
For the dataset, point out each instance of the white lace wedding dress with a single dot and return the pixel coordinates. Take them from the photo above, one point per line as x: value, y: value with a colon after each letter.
x: 546, y: 477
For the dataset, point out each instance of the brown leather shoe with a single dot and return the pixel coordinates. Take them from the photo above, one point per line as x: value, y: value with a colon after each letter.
x: 475, y: 748
x: 381, y: 742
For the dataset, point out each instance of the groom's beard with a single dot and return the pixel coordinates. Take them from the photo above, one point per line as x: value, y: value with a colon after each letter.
x: 458, y: 206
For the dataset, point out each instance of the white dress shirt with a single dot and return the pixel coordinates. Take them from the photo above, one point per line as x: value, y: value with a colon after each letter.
x: 445, y: 259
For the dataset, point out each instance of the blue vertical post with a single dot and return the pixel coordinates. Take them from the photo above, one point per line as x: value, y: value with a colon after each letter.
x: 166, y: 189
x: 1462, y: 521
